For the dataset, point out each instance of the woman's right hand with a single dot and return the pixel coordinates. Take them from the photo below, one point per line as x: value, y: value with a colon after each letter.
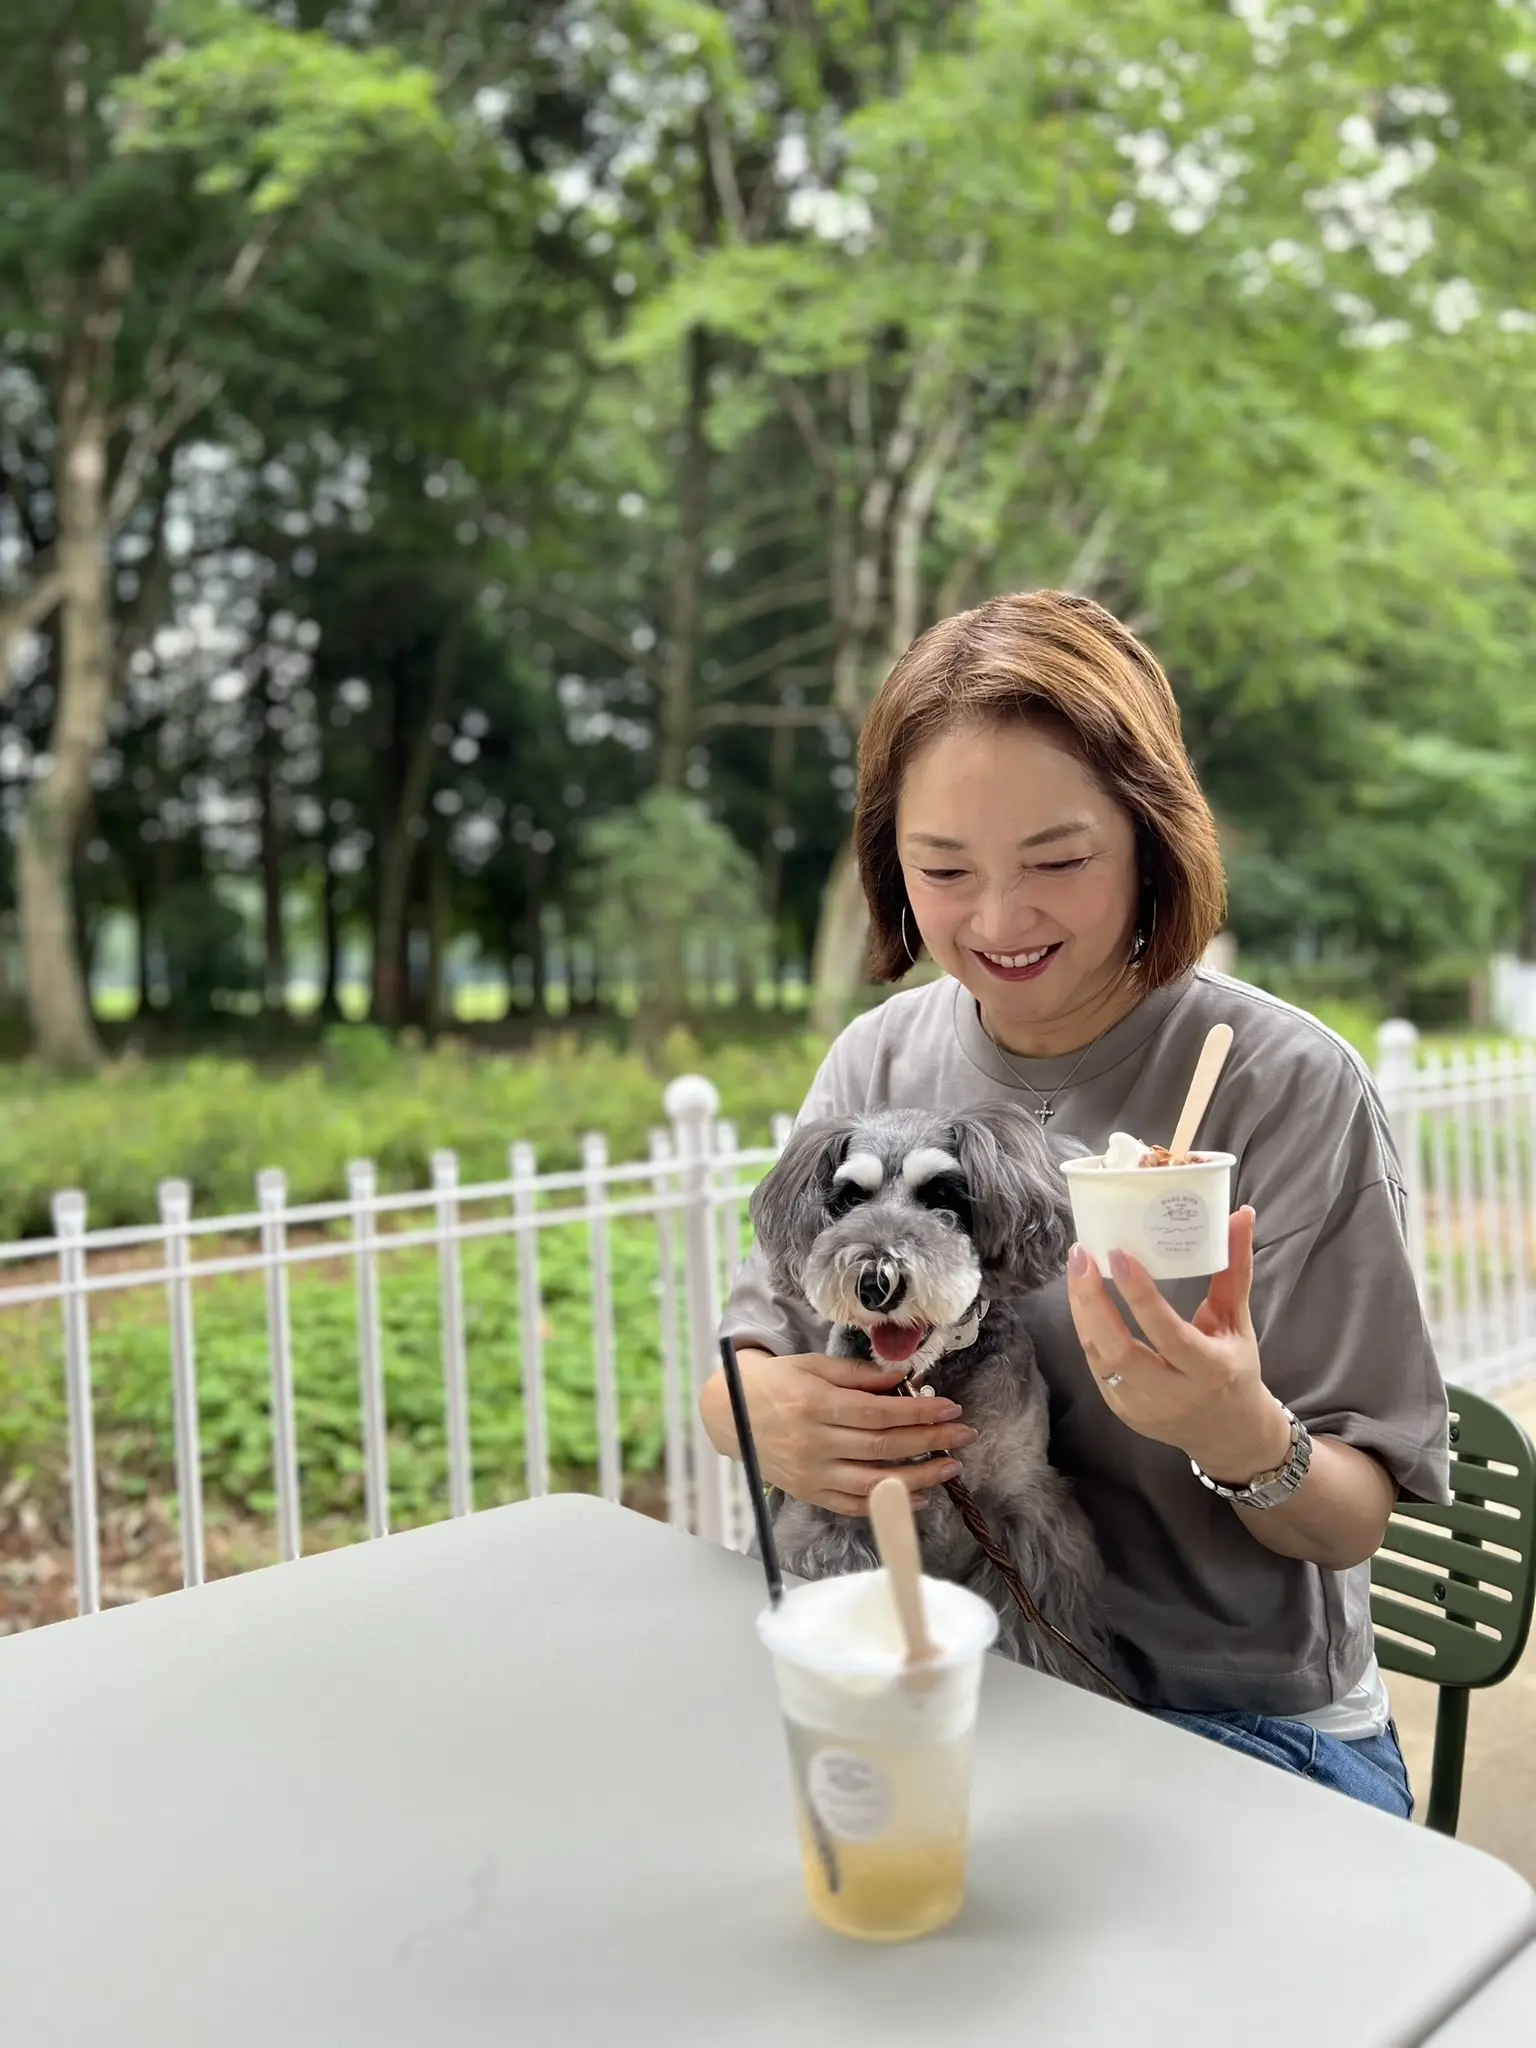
x: 829, y: 1429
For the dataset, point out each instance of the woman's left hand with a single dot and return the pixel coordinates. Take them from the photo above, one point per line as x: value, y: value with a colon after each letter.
x: 1195, y: 1385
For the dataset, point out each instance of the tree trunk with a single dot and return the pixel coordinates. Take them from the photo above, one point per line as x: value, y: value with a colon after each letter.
x: 781, y: 765
x: 1528, y: 914
x: 397, y: 852
x: 274, y: 980
x: 842, y: 937
x: 438, y: 912
x: 680, y: 677
x: 534, y: 927
x: 58, y: 999
x: 26, y: 614
x: 330, y: 931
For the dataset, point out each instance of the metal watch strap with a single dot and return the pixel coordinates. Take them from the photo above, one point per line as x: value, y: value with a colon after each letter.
x: 1267, y: 1489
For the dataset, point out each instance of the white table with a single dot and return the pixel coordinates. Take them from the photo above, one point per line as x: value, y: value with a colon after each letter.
x: 519, y: 1779
x: 1501, y: 2015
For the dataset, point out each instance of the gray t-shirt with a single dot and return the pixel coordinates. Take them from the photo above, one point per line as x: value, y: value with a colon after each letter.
x: 1207, y: 1618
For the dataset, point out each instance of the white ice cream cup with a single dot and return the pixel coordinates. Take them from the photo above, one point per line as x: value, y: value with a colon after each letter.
x: 1172, y: 1218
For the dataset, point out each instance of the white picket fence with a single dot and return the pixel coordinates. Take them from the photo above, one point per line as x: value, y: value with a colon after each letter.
x: 1465, y: 1128
x: 693, y: 1188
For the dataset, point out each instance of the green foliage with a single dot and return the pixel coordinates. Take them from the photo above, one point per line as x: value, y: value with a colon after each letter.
x: 271, y: 111
x: 216, y: 1122
x: 132, y: 1382
x: 1220, y: 314
x: 661, y: 882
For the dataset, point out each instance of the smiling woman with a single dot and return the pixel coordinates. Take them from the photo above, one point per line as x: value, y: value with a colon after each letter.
x: 1027, y: 812
x: 1038, y: 712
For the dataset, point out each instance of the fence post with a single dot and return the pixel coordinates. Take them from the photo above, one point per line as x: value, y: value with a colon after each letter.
x: 69, y: 1228
x: 445, y: 1185
x: 594, y: 1160
x: 272, y: 1200
x: 691, y: 1103
x: 175, y: 1214
x: 363, y: 1188
x: 524, y: 1167
x: 1397, y: 1047
x: 666, y: 1302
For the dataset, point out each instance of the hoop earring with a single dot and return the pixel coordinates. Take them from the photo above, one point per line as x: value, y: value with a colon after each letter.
x: 1143, y: 937
x: 911, y: 956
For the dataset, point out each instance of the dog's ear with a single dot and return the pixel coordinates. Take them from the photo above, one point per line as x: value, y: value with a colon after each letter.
x: 1022, y: 1216
x: 789, y: 1204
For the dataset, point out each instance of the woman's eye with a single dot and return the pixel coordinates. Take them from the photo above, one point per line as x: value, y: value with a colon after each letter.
x: 1063, y: 867
x: 941, y: 874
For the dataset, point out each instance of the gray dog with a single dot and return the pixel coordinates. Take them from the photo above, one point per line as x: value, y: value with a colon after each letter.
x: 913, y: 1235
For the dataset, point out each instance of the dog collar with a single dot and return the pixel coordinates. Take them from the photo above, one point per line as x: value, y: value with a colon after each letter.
x: 964, y: 1335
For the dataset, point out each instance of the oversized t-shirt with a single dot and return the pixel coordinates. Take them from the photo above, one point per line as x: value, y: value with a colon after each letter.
x: 1206, y: 1617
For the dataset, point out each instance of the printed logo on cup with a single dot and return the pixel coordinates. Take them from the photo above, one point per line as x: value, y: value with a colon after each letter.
x: 851, y: 1796
x: 1174, y: 1225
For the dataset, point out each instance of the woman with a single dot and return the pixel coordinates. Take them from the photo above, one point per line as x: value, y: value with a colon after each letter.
x: 1028, y: 814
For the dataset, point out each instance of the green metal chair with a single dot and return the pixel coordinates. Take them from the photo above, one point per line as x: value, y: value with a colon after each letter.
x: 1452, y: 1587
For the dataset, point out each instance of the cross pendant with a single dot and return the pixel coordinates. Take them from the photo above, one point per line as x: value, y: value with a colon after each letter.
x: 1044, y: 1113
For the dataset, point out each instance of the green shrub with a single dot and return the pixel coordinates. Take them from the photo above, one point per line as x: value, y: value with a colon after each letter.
x: 132, y: 1385
x: 216, y: 1122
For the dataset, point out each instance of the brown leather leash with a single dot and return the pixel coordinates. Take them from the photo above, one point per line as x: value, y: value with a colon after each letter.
x: 976, y: 1524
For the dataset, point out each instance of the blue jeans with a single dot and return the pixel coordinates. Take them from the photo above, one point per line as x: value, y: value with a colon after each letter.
x: 1372, y: 1770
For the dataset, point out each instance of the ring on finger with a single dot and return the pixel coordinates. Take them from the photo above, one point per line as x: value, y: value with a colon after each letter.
x: 1113, y: 1380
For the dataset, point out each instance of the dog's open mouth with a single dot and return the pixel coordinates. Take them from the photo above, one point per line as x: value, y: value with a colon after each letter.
x: 895, y: 1343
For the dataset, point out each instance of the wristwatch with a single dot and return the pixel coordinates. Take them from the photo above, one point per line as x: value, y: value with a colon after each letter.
x: 1268, y: 1489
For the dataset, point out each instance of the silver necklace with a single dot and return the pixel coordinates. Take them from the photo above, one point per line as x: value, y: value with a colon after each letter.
x: 1047, y: 1103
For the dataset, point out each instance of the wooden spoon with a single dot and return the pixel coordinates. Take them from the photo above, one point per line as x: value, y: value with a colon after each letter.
x: 1218, y: 1043
x: 890, y: 1513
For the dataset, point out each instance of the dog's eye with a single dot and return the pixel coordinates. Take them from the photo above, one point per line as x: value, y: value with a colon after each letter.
x: 945, y: 1197
x: 845, y: 1195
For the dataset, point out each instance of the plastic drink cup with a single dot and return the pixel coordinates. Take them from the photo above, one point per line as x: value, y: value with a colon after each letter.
x: 881, y: 1756
x: 1172, y: 1218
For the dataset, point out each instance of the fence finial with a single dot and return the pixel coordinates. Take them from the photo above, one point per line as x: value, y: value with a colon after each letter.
x: 691, y: 1099
x: 1397, y: 1047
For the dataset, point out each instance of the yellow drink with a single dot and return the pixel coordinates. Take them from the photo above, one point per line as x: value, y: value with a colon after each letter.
x: 880, y: 1755
x: 887, y: 1891
x: 883, y: 1829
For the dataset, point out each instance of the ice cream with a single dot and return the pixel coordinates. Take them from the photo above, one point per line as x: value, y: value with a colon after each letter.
x: 848, y: 1626
x: 1123, y: 1154
x: 1176, y: 1225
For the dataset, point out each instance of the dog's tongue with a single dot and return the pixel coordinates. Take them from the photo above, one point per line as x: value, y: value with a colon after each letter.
x: 894, y: 1343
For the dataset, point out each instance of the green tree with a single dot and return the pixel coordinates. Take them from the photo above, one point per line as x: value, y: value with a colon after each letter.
x: 1072, y: 302
x: 158, y: 164
x: 666, y: 892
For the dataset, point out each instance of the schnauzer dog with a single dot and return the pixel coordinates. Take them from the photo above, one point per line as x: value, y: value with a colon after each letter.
x: 914, y: 1234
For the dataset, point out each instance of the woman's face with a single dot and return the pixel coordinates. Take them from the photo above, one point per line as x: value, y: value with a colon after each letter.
x: 1022, y: 877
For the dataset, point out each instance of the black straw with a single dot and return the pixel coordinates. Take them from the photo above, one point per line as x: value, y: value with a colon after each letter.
x: 748, y: 1448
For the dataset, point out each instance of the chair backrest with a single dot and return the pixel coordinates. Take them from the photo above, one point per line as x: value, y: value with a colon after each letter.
x: 1452, y: 1587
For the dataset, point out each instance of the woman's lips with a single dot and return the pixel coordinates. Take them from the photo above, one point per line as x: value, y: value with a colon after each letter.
x: 1025, y: 965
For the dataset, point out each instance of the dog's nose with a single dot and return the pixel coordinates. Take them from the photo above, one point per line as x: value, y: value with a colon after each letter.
x: 881, y: 1285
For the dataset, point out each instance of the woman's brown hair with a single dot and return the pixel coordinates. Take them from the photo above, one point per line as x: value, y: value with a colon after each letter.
x: 1065, y: 664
